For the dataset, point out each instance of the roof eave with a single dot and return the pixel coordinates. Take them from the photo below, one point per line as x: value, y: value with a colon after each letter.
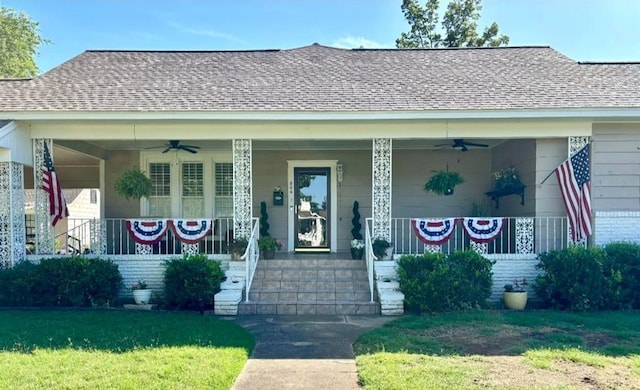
x: 631, y: 113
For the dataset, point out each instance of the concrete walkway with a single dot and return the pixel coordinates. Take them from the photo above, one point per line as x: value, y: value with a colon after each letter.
x: 303, y: 352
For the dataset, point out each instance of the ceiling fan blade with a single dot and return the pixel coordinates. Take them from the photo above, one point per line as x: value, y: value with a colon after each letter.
x: 167, y: 149
x: 476, y: 144
x: 188, y: 149
x: 190, y: 146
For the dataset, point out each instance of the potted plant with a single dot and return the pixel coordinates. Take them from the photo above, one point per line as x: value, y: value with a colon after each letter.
x: 381, y: 248
x: 357, y: 249
x: 443, y: 182
x: 133, y: 184
x: 268, y: 246
x: 141, y: 292
x: 357, y: 245
x: 515, y: 295
x: 506, y: 178
x: 237, y: 247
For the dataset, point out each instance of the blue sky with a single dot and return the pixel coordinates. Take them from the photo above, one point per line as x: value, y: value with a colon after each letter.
x: 584, y: 30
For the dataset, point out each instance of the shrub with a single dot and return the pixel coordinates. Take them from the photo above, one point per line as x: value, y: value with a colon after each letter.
x: 191, y: 282
x: 623, y: 265
x: 435, y: 283
x: 574, y: 279
x: 69, y: 281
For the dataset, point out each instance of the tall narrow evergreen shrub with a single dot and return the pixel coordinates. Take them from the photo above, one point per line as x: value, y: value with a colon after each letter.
x: 355, y: 232
x: 264, y: 225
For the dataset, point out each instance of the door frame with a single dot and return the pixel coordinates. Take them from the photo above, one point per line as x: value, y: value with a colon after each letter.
x: 333, y: 201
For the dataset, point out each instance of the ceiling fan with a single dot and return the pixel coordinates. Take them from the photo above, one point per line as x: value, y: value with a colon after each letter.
x: 175, y: 144
x: 462, y: 144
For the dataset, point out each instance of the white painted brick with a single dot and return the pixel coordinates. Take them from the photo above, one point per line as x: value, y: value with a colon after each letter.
x: 611, y: 226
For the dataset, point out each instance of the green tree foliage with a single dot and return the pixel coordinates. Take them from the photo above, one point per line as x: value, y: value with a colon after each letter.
x: 19, y: 41
x: 459, y: 25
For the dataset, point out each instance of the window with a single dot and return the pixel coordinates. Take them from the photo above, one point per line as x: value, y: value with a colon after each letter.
x: 160, y: 199
x: 93, y: 196
x: 223, y: 200
x: 192, y: 190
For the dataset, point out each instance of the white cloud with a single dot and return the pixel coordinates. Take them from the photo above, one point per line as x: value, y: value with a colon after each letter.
x: 356, y: 42
x: 206, y: 33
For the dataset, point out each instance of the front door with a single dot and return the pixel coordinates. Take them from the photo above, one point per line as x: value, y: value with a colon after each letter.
x: 312, y: 212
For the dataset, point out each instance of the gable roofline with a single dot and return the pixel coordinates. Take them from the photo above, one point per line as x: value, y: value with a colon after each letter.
x: 608, y: 63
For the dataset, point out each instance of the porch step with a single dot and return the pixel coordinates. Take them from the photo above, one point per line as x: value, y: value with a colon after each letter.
x: 310, y: 286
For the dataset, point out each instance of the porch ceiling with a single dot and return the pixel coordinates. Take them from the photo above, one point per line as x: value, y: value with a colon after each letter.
x: 308, y: 144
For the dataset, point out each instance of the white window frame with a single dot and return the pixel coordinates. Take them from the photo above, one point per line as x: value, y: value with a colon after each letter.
x: 208, y: 159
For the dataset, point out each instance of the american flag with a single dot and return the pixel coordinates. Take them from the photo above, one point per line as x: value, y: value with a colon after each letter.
x: 57, y: 204
x: 575, y: 185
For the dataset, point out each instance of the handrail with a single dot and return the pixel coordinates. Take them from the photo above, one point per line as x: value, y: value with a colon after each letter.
x: 251, y: 257
x: 369, y: 256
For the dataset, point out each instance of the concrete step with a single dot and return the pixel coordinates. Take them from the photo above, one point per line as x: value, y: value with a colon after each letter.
x: 297, y: 308
x: 310, y: 286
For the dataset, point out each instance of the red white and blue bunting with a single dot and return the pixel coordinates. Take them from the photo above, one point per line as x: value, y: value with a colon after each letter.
x: 145, y: 231
x: 191, y: 231
x: 482, y: 230
x: 434, y: 231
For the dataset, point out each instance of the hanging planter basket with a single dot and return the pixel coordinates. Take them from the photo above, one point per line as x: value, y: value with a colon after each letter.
x: 443, y: 182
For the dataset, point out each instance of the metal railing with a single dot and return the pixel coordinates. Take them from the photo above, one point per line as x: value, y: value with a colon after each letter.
x: 368, y: 254
x: 112, y: 238
x: 251, y: 256
x: 519, y: 235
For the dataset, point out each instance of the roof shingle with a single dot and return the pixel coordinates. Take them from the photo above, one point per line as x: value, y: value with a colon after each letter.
x: 319, y: 78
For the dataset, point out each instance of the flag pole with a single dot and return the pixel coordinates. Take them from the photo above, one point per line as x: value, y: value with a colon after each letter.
x: 548, y: 176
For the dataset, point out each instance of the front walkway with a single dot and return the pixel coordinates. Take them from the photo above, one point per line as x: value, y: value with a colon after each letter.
x: 303, y: 352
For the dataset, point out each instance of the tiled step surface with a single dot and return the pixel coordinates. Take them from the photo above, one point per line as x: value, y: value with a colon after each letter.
x: 310, y: 286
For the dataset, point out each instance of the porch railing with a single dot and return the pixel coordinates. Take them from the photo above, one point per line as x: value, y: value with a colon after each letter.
x: 368, y: 255
x: 520, y: 235
x: 109, y: 236
x: 251, y: 256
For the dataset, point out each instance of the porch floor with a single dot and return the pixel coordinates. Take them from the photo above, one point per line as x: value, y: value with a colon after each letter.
x: 310, y: 283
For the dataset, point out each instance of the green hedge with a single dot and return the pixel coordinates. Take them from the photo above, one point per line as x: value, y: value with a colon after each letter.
x: 191, y: 282
x: 437, y: 283
x: 578, y: 278
x: 69, y: 281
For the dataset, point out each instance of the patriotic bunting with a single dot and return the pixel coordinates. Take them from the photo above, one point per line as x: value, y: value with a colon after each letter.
x: 482, y: 230
x: 146, y: 232
x: 434, y: 231
x: 191, y: 231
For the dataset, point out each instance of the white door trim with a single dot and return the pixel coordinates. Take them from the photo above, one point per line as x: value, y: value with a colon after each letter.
x: 331, y: 164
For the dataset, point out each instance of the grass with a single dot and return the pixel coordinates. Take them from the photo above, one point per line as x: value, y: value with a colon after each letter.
x: 503, y: 350
x: 116, y: 349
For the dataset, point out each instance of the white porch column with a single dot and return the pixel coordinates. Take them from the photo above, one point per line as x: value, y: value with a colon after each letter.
x: 45, y: 234
x: 242, y: 195
x: 574, y: 146
x: 381, y: 188
x: 12, y: 229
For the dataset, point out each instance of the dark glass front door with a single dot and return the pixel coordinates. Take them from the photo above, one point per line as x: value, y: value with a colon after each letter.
x: 312, y: 212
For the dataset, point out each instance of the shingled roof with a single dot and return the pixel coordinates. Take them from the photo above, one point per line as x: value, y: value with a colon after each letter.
x: 319, y: 78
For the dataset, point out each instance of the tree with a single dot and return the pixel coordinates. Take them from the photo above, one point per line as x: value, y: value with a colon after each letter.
x: 19, y: 41
x: 459, y: 24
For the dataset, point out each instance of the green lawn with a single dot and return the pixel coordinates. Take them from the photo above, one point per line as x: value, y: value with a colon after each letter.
x: 503, y: 350
x: 116, y: 349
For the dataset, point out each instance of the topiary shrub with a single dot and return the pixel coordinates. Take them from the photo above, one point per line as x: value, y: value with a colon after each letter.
x: 264, y: 217
x: 436, y: 283
x: 574, y: 279
x: 355, y: 232
x: 191, y: 282
x: 69, y: 281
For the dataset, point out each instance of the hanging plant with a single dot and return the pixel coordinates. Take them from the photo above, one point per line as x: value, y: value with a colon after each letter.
x: 133, y: 184
x: 443, y: 182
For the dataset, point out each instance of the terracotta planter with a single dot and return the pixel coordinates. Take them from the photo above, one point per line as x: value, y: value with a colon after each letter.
x: 268, y: 254
x: 515, y: 300
x: 143, y: 296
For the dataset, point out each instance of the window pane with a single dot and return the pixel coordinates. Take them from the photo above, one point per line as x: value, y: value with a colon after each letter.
x: 192, y: 180
x: 160, y: 207
x: 224, y: 179
x: 224, y: 207
x: 160, y: 175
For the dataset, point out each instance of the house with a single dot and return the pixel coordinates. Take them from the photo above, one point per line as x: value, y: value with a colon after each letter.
x: 218, y: 131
